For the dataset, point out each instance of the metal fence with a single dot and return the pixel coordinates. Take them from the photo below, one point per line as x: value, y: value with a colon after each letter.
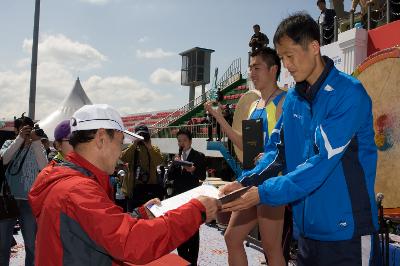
x: 231, y: 75
x: 388, y: 11
x: 198, y: 131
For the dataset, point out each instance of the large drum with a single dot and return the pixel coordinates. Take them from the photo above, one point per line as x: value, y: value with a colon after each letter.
x: 392, y: 214
x: 242, y: 113
x: 380, y: 75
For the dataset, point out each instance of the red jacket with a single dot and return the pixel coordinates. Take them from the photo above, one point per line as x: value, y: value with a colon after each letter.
x: 79, y: 224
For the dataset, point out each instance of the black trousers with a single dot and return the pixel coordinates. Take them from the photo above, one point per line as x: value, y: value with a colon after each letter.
x: 190, y: 249
x: 354, y: 252
x: 142, y: 193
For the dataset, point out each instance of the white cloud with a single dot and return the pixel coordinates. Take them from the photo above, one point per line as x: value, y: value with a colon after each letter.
x: 53, y: 83
x: 59, y: 58
x: 14, y: 88
x: 154, y: 54
x: 124, y: 93
x: 96, y: 2
x: 165, y: 76
x: 62, y: 50
x: 22, y: 63
x: 143, y: 39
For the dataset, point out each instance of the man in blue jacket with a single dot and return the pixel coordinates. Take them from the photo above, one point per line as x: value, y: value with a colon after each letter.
x: 326, y: 153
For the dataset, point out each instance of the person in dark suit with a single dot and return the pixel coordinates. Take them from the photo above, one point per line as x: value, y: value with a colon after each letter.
x: 258, y: 40
x: 326, y: 19
x: 185, y: 178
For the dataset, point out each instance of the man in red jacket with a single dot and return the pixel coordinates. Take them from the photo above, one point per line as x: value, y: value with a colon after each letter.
x: 79, y: 224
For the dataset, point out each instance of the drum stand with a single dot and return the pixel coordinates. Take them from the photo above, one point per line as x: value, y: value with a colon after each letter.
x: 383, y: 235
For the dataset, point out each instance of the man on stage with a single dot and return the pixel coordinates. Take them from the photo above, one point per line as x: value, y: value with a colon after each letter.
x: 326, y: 152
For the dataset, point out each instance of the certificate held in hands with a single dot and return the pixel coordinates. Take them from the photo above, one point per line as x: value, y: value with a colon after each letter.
x: 203, y: 190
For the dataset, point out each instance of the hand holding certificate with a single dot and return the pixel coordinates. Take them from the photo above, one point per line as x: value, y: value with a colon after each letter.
x: 233, y: 195
x: 204, y: 190
x: 248, y: 199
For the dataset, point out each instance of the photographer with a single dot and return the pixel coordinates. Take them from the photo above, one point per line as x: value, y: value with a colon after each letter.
x: 258, y: 40
x: 141, y: 184
x: 25, y: 157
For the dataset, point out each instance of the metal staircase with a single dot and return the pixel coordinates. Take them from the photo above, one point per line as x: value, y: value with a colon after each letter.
x: 231, y: 75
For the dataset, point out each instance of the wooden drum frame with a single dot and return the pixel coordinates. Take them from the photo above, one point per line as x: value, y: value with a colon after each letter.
x: 380, y: 75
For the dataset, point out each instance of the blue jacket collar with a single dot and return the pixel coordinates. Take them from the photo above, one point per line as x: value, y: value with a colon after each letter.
x: 308, y: 92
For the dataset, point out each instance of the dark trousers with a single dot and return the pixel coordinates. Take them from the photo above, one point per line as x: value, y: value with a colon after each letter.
x: 354, y: 252
x: 210, y: 131
x: 287, y: 233
x: 142, y: 193
x: 218, y: 132
x: 28, y: 227
x: 190, y: 249
x: 328, y: 35
x: 373, y: 23
x: 121, y: 203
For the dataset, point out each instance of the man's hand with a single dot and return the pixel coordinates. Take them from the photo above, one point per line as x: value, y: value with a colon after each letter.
x: 208, y: 106
x: 155, y: 201
x: 247, y: 200
x: 211, y: 205
x: 228, y: 188
x: 25, y: 132
x: 33, y: 136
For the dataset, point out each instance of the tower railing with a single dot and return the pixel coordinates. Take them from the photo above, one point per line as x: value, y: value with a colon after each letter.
x: 231, y: 75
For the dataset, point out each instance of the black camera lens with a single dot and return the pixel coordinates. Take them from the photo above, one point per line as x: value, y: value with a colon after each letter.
x: 38, y: 131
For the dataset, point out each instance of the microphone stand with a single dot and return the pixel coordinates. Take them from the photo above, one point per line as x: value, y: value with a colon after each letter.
x: 384, y: 232
x: 386, y: 241
x: 381, y: 229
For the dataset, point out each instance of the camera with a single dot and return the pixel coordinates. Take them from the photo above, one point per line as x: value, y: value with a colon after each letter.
x: 145, y: 135
x: 38, y: 131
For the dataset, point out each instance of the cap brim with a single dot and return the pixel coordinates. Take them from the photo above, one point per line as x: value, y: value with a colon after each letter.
x: 142, y: 131
x: 130, y: 136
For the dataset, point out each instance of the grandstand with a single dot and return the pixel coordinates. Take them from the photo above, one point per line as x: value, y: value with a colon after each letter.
x: 147, y: 118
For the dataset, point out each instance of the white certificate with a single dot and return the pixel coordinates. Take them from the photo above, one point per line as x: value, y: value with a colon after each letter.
x: 179, y: 200
x: 203, y: 190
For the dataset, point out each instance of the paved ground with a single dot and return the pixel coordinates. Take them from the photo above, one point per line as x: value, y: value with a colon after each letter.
x: 212, y: 250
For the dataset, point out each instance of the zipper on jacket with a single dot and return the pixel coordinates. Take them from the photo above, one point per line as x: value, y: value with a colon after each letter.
x: 310, y: 105
x: 303, y: 229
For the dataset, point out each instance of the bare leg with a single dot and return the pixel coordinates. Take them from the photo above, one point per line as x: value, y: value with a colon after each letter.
x: 240, y: 224
x: 270, y: 222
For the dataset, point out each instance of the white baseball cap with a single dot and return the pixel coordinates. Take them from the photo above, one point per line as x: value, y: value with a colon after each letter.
x: 97, y: 116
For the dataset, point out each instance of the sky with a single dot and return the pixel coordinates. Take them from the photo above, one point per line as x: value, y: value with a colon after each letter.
x: 125, y: 52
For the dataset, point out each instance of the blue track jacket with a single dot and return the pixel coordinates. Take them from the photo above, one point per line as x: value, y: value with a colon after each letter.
x: 328, y: 156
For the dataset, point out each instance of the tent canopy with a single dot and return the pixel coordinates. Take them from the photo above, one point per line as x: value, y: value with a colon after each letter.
x: 75, y: 100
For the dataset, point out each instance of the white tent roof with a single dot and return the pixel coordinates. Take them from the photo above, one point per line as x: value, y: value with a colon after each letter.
x: 75, y: 100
